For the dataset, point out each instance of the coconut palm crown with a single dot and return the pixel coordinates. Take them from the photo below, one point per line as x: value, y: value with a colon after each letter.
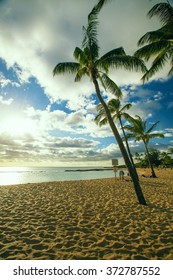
x: 89, y: 63
x: 118, y: 112
x: 138, y: 130
x: 158, y: 43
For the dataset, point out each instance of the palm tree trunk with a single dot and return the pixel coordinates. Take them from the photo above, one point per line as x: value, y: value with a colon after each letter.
x: 128, y: 148
x: 151, y: 166
x: 136, y: 184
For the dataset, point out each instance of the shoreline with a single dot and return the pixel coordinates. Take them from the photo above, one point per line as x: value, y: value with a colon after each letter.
x: 89, y: 169
x: 15, y: 177
x: 87, y: 219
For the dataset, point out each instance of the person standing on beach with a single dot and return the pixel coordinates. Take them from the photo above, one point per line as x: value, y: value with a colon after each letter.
x: 121, y: 174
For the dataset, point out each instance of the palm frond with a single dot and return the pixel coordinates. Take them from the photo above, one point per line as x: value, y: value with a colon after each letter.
x: 101, y: 118
x: 152, y: 135
x: 157, y: 64
x: 90, y: 39
x: 129, y: 118
x: 140, y: 124
x: 154, y: 36
x: 78, y: 53
x: 152, y: 127
x: 80, y: 73
x: 83, y: 56
x: 171, y: 61
x: 164, y: 11
x: 112, y: 53
x: 127, y: 62
x: 101, y: 80
x: 114, y: 107
x: 98, y: 7
x: 126, y: 107
x: 111, y: 86
x: 153, y: 49
x: 90, y: 33
x: 137, y: 126
x: 171, y: 70
x: 139, y: 138
x: 125, y: 115
x: 128, y: 127
x: 128, y: 135
x: 156, y: 135
x: 103, y: 121
x: 66, y: 67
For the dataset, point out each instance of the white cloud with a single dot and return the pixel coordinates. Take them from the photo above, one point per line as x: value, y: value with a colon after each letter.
x: 5, y: 82
x: 168, y: 132
x: 45, y: 34
x: 35, y: 36
x: 6, y: 101
x: 144, y: 108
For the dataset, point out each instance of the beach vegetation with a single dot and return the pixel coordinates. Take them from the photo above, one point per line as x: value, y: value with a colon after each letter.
x: 157, y: 158
x: 166, y: 159
x: 139, y: 131
x: 158, y: 44
x: 89, y: 63
x: 118, y: 112
x: 170, y: 150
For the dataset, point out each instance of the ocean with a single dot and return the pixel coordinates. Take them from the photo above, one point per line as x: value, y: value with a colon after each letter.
x: 24, y: 175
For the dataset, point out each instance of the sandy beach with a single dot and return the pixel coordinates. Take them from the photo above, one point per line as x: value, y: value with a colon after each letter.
x: 92, y: 219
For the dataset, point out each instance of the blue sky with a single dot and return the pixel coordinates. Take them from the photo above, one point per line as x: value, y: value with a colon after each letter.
x: 48, y: 120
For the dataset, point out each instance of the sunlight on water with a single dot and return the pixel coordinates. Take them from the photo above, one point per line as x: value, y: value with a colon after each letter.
x: 14, y: 169
x: 13, y: 175
x: 24, y: 175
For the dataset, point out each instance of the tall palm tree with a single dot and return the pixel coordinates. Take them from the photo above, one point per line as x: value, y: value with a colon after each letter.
x: 158, y: 43
x: 138, y: 130
x: 96, y: 68
x: 117, y: 112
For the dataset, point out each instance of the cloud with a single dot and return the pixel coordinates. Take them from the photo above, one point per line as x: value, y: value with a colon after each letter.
x: 145, y: 102
x: 6, y: 101
x: 168, y: 132
x: 51, y: 147
x: 43, y: 35
x: 5, y: 82
x: 75, y: 123
x: 35, y: 37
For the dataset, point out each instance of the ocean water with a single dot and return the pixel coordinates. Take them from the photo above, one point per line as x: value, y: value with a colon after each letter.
x: 24, y: 175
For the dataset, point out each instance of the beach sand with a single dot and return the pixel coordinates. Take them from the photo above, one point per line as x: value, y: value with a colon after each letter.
x: 91, y: 219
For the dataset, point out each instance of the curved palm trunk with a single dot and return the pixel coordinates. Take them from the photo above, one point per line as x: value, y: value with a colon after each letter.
x: 136, y: 184
x: 128, y: 148
x: 151, y: 166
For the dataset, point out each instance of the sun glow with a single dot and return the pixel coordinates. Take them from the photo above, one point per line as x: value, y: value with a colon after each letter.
x: 17, y: 125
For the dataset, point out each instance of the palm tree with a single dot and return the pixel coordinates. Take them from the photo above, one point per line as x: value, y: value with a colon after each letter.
x: 138, y: 130
x: 139, y: 158
x: 159, y: 43
x: 114, y: 106
x: 170, y: 150
x: 96, y: 68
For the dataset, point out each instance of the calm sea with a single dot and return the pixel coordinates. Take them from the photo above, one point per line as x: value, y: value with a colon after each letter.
x: 24, y: 175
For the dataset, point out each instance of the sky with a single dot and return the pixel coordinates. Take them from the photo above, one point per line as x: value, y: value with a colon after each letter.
x: 49, y: 121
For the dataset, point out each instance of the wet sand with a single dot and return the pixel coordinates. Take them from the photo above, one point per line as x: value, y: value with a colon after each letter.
x: 90, y: 219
